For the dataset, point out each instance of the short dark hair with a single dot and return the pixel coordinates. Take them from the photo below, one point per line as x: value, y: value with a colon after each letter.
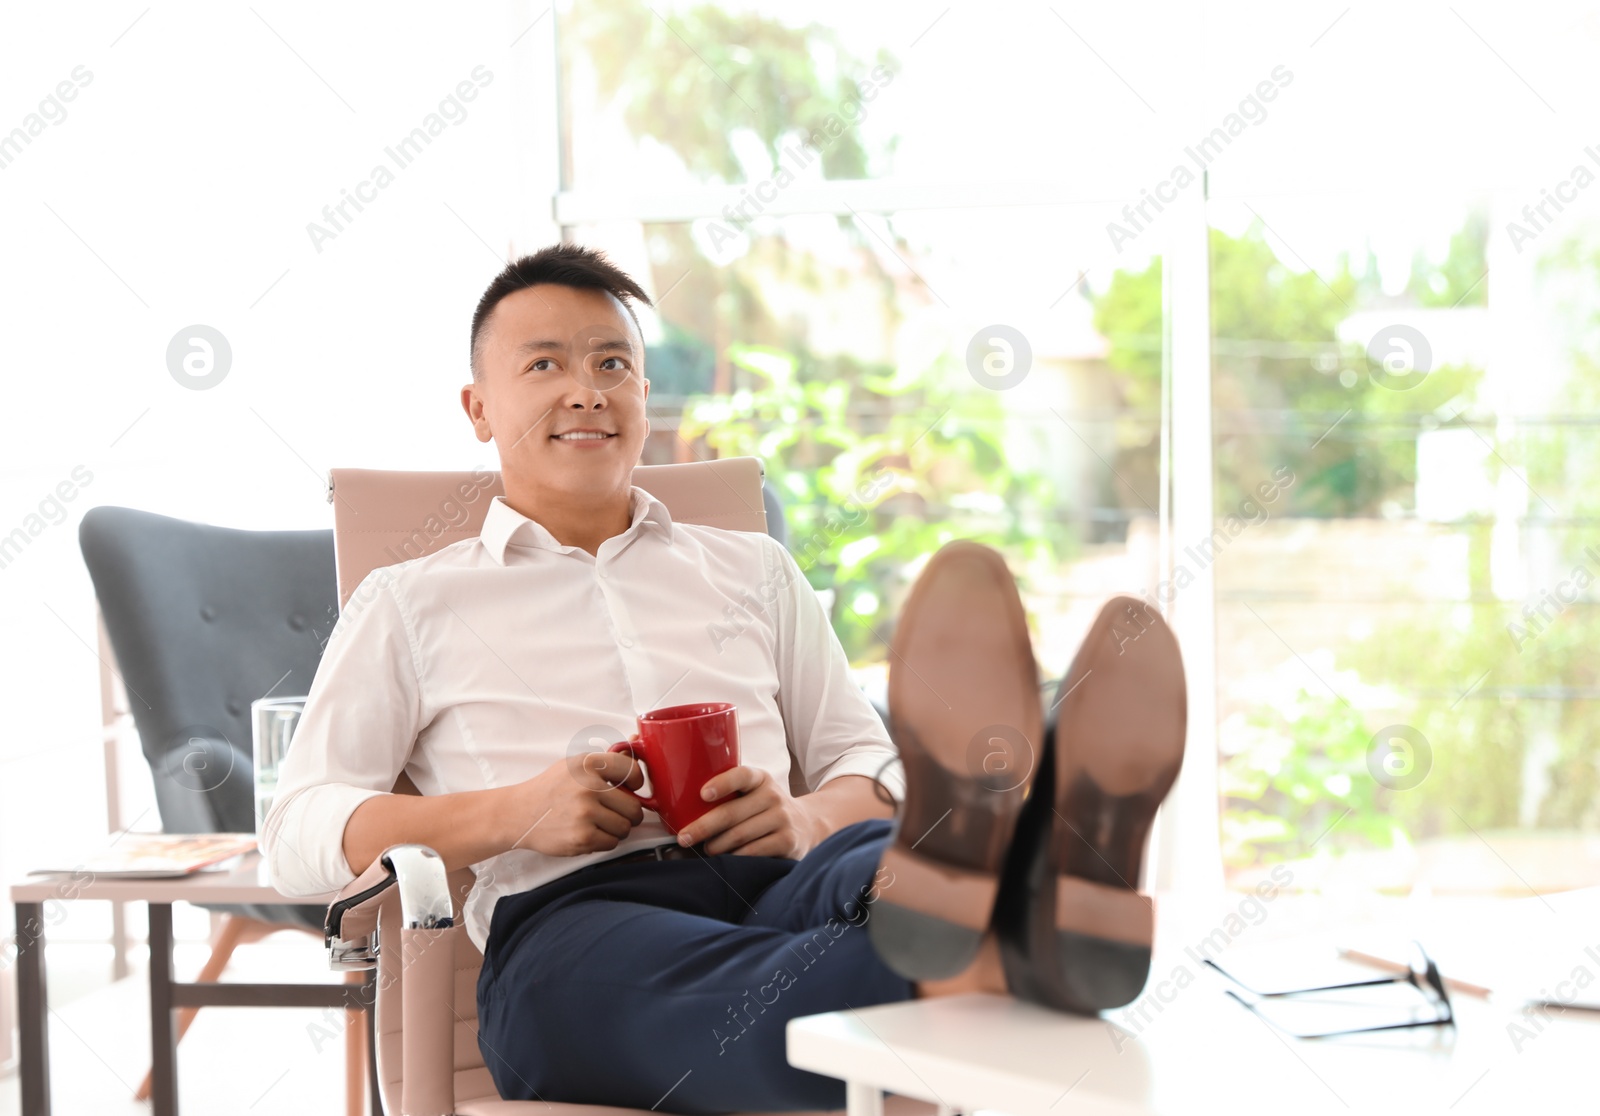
x: 566, y: 265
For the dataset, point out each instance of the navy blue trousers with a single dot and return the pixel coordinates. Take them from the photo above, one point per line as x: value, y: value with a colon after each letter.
x: 666, y: 984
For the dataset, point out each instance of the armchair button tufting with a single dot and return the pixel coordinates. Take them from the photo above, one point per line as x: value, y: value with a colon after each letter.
x: 234, y: 707
x: 207, y: 613
x: 297, y: 622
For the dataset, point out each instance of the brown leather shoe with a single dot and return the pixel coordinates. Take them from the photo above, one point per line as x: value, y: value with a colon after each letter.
x: 1074, y: 932
x: 964, y: 711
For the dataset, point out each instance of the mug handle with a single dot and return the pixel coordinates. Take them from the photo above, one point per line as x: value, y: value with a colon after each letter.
x: 631, y: 747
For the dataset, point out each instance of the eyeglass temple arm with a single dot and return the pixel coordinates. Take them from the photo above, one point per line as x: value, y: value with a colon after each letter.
x: 1399, y: 978
x: 1338, y: 987
x: 1449, y: 1017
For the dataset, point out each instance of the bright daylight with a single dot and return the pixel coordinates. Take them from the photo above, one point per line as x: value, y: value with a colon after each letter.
x: 731, y: 557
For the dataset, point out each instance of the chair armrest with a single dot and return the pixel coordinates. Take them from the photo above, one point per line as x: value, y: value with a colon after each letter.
x: 350, y: 929
x: 415, y: 987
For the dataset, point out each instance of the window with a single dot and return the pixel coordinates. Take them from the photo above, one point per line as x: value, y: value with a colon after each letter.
x: 914, y: 355
x: 1402, y: 629
x: 1351, y: 409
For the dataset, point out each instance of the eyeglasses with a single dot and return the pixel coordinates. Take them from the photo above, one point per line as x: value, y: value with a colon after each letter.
x: 1354, y: 1007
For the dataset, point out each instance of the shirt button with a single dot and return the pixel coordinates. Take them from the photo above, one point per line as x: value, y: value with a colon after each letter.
x: 625, y: 641
x: 602, y: 573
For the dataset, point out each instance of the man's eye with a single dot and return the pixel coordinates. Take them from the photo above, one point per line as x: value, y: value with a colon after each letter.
x: 543, y: 365
x: 617, y: 364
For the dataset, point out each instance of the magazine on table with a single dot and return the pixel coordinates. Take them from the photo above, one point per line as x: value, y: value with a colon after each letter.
x: 152, y: 856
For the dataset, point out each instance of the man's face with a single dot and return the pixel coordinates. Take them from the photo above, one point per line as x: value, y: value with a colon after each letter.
x: 561, y: 391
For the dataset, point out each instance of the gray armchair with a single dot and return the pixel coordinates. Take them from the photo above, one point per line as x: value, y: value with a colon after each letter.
x: 202, y: 621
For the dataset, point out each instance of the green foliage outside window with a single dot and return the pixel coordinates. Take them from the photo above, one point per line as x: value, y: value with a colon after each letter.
x: 878, y: 468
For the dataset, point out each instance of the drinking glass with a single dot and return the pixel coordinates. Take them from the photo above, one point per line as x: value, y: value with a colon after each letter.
x: 272, y: 723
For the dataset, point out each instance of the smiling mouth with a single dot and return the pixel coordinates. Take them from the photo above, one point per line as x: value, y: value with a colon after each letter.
x: 582, y: 436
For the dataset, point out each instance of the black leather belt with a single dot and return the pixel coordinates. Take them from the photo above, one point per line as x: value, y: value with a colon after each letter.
x: 659, y: 852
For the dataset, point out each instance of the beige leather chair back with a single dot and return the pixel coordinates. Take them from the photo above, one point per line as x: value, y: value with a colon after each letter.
x: 382, y: 517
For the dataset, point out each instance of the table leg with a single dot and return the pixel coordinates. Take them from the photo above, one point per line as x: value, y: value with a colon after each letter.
x: 119, y: 940
x: 863, y: 1100
x: 33, y: 1011
x: 163, y: 1036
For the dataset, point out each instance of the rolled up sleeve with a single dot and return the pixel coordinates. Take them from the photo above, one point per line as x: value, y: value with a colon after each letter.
x: 832, y: 727
x: 353, y: 740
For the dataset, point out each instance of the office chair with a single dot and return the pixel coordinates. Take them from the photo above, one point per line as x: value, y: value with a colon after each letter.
x: 403, y: 914
x: 202, y: 621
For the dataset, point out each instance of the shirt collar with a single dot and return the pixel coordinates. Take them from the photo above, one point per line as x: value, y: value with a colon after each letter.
x: 504, y: 526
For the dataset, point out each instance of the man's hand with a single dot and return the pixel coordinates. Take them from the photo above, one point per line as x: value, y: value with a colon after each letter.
x: 760, y: 818
x: 577, y: 806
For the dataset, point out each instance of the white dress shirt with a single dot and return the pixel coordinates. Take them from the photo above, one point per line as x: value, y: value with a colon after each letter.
x: 484, y: 663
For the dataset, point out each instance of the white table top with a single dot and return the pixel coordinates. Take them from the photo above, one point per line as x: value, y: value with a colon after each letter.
x: 242, y: 880
x: 1202, y: 1053
x: 1185, y: 1047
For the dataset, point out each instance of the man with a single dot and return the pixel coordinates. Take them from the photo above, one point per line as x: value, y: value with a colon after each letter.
x: 623, y: 966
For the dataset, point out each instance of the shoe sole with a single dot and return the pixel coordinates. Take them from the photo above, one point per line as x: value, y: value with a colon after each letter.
x: 966, y: 718
x: 1115, y: 753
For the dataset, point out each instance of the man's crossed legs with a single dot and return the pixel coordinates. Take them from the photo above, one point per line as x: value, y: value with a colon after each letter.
x: 1013, y: 866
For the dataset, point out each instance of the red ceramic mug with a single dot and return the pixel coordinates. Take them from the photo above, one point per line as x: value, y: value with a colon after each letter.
x: 682, y: 747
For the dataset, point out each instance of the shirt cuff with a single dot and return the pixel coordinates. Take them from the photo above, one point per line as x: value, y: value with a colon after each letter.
x: 881, y: 764
x: 303, y: 838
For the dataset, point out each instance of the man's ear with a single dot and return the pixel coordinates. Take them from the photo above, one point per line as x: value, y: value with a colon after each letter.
x: 472, y: 403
